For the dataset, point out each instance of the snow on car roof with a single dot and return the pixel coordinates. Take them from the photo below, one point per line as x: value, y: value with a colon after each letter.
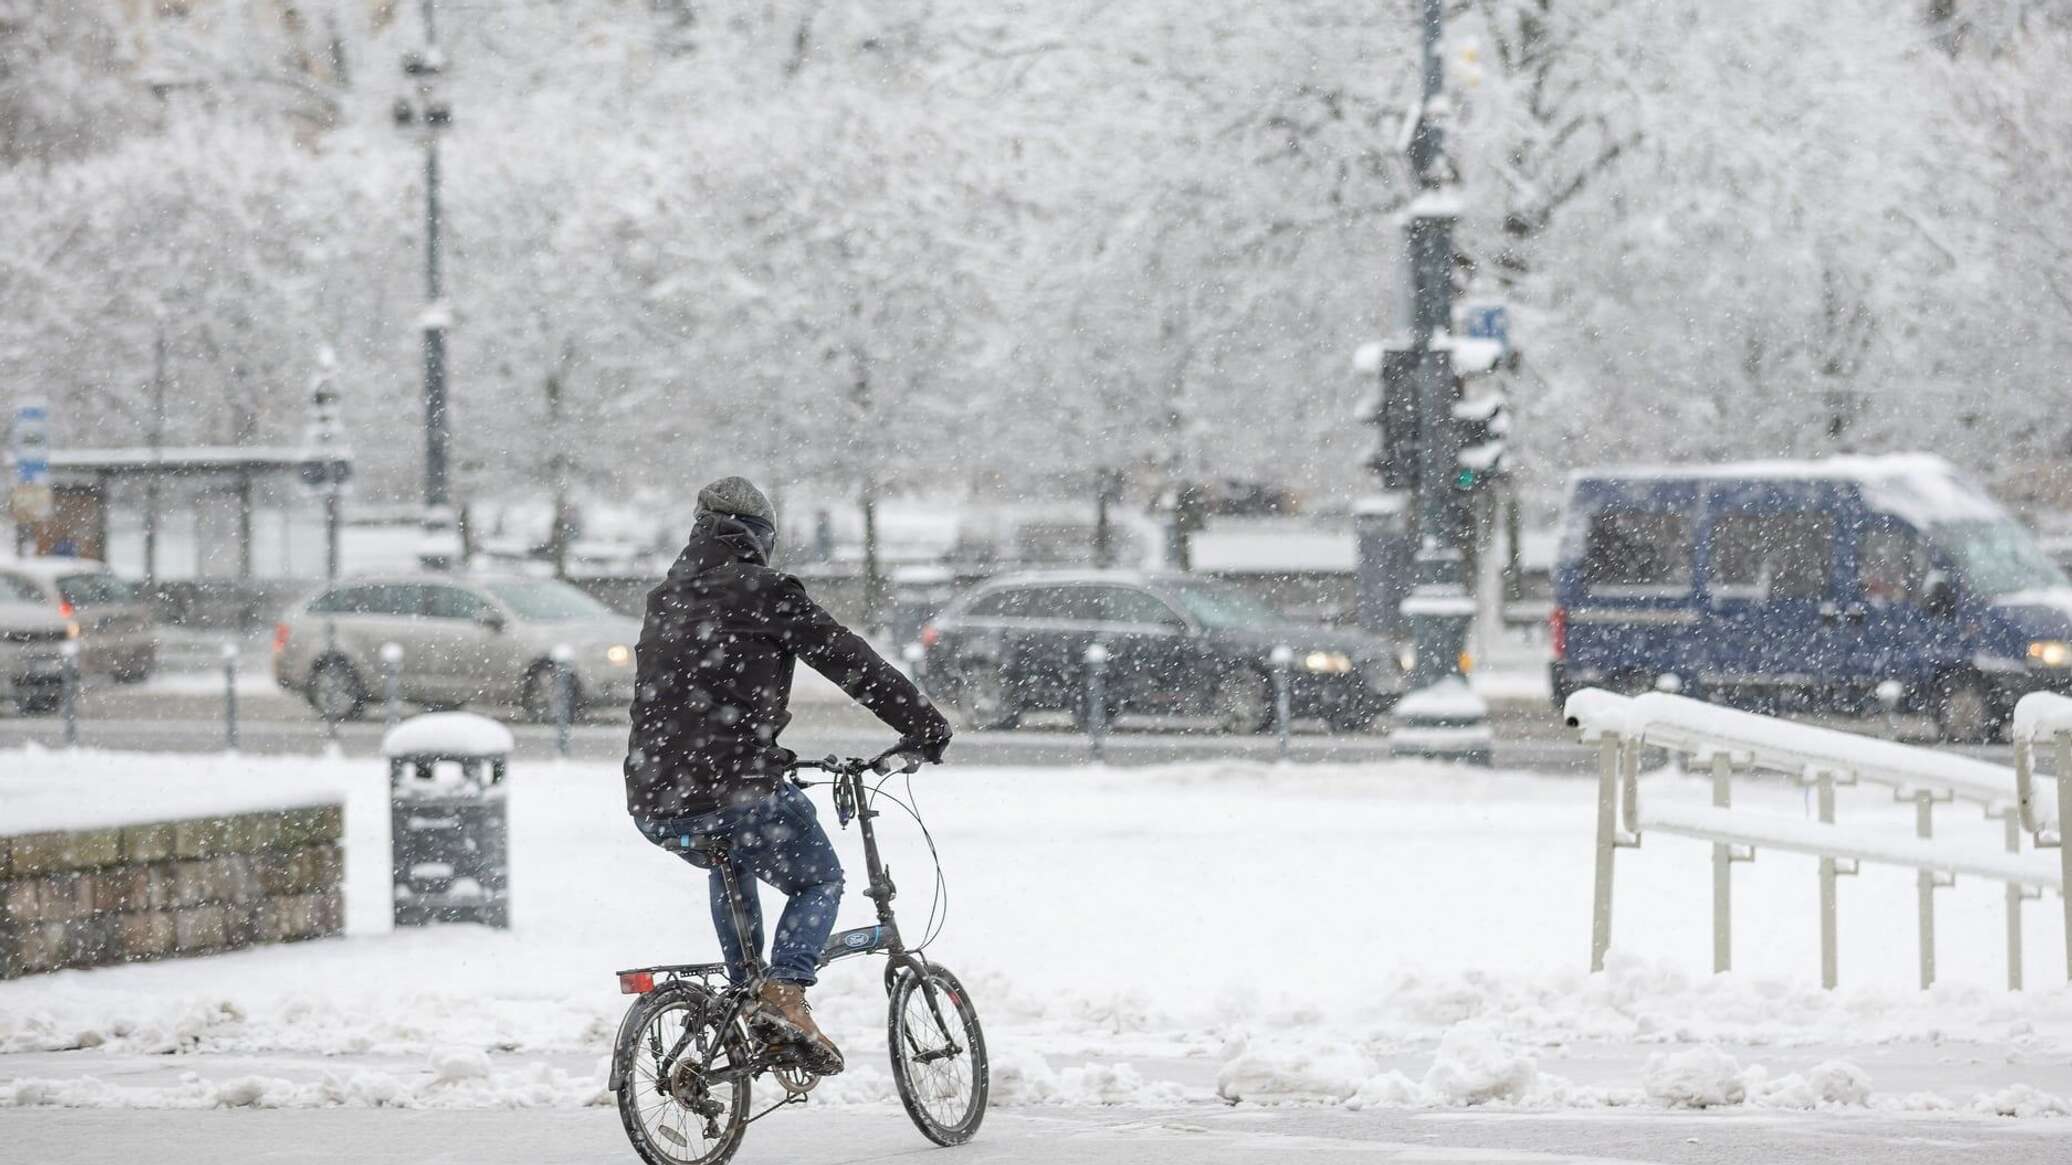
x: 1920, y: 487
x: 53, y: 567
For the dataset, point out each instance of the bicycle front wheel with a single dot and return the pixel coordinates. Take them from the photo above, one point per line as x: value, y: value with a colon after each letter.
x: 938, y: 1055
x: 683, y: 1095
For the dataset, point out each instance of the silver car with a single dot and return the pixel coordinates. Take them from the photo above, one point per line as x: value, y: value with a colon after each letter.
x: 107, y: 616
x: 32, y: 640
x: 463, y: 639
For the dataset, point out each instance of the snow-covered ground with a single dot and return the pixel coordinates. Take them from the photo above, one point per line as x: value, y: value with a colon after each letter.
x: 1382, y: 937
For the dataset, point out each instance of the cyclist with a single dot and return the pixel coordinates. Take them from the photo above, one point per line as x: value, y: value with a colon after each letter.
x: 713, y: 680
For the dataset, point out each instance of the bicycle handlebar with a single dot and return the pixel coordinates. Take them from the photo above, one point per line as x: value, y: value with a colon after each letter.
x: 892, y: 760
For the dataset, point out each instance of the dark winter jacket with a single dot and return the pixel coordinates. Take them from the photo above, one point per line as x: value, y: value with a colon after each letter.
x: 714, y: 681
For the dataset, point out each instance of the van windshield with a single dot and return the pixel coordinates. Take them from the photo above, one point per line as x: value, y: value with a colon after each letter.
x: 1997, y: 558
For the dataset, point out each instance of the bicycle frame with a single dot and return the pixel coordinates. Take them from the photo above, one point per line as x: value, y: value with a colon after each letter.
x: 851, y: 797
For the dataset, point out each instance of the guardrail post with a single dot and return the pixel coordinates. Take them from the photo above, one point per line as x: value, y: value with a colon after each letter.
x: 1824, y: 790
x: 1096, y: 699
x: 1610, y: 761
x: 1924, y: 886
x: 1722, y: 873
x: 68, y: 693
x: 2015, y: 895
x: 391, y: 685
x: 230, y: 697
x: 2064, y: 775
x: 1283, y: 657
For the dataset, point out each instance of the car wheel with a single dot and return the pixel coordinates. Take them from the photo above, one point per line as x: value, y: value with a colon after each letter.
x: 984, y: 702
x: 335, y: 691
x: 38, y: 699
x: 1243, y: 702
x: 1352, y: 716
x: 537, y: 697
x: 1964, y: 712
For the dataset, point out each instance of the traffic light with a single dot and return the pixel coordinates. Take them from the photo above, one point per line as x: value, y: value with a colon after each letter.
x: 1482, y: 420
x: 1393, y: 408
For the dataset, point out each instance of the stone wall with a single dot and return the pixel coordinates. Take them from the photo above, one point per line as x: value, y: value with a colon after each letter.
x: 88, y: 898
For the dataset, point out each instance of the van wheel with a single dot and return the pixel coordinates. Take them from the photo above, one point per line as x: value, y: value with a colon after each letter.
x: 984, y: 701
x: 335, y: 691
x: 1965, y: 713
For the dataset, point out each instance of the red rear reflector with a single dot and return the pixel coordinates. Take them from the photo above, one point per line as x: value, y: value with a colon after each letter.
x: 636, y: 982
x: 929, y: 635
x: 65, y: 609
x: 1557, y: 630
x: 280, y: 637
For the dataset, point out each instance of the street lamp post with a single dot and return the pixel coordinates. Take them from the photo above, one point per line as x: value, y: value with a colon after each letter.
x: 1440, y: 716
x: 429, y: 113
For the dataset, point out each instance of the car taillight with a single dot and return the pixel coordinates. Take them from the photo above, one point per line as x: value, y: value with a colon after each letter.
x: 929, y: 635
x: 636, y: 982
x: 280, y: 638
x: 1557, y: 630
x: 65, y: 609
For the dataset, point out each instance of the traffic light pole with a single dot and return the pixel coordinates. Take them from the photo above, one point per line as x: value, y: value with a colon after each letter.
x: 1440, y: 717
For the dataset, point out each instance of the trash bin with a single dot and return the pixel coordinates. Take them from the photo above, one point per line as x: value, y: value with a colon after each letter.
x: 449, y: 834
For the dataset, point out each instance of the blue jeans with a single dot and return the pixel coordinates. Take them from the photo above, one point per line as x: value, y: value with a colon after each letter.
x: 779, y: 840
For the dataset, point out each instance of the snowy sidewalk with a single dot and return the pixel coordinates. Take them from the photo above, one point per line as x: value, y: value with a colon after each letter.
x: 1374, y: 944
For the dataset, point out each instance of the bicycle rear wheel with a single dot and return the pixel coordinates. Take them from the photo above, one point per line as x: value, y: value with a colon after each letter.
x: 938, y: 1055
x: 689, y: 1113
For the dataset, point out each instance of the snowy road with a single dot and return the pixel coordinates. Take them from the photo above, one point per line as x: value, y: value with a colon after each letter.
x: 1197, y: 1135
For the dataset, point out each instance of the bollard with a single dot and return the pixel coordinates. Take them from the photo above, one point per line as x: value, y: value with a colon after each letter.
x: 1890, y: 693
x: 564, y: 694
x: 391, y: 685
x: 230, y: 697
x: 1096, y: 699
x: 69, y: 693
x: 1283, y: 658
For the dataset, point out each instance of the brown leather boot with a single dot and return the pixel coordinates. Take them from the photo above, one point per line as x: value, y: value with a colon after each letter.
x: 783, y: 1017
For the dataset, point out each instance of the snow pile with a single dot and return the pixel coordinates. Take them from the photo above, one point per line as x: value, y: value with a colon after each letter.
x: 1026, y: 1079
x: 1696, y: 1078
x: 1472, y: 1066
x: 464, y: 1080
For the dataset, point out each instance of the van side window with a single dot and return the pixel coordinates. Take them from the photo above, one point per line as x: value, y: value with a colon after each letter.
x: 1789, y: 554
x: 1637, y: 553
x: 1890, y: 564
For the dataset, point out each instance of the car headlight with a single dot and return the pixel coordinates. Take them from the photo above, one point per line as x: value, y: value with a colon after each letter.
x: 2050, y: 653
x: 1406, y: 657
x: 619, y: 653
x: 1335, y: 662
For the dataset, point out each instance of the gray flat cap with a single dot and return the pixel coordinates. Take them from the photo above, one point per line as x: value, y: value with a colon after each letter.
x: 738, y: 496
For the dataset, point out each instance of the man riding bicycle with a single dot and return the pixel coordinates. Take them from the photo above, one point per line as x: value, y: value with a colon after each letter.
x: 715, y: 660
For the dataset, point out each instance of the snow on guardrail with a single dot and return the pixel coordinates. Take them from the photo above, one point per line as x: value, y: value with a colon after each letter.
x: 1699, y: 730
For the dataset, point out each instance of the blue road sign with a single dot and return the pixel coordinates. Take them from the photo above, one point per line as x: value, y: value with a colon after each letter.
x: 30, y: 444
x: 1487, y: 321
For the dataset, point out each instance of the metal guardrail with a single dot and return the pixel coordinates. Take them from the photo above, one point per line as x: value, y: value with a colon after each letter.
x: 1728, y: 741
x: 2045, y: 720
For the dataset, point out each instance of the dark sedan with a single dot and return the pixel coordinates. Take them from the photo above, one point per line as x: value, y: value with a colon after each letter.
x: 1177, y: 645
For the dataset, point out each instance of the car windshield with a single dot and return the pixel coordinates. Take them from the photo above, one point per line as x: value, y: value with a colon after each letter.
x: 1226, y: 607
x: 547, y: 601
x: 1997, y: 558
x: 92, y: 590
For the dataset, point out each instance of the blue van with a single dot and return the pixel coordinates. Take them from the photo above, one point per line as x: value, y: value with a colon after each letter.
x: 1784, y: 586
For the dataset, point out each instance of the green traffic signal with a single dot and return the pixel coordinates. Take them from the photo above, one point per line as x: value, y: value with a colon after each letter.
x: 1464, y: 479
